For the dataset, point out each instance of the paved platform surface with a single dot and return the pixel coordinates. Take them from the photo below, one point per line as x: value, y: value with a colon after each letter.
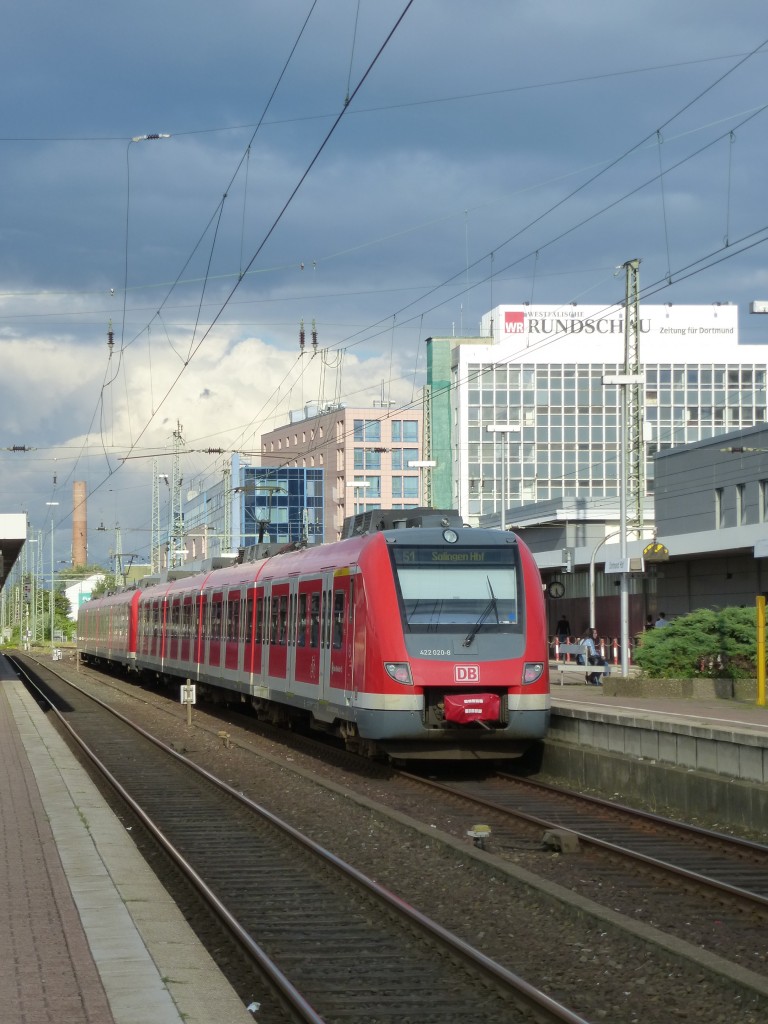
x: 87, y: 933
x: 714, y: 713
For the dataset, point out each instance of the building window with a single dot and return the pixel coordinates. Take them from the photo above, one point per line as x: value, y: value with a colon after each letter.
x: 405, y: 430
x: 366, y: 458
x: 373, y: 490
x: 741, y: 512
x: 367, y: 430
x: 762, y: 500
x: 402, y: 456
x: 719, y: 521
x: 405, y: 487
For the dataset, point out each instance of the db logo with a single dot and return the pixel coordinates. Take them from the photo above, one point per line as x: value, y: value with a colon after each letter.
x: 466, y: 674
x: 514, y: 323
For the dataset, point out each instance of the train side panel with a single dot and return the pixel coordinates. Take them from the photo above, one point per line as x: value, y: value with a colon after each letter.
x: 107, y: 629
x: 426, y: 643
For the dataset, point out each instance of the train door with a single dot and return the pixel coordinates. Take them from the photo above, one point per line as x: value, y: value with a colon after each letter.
x: 249, y: 631
x: 232, y: 630
x: 323, y: 709
x: 216, y: 618
x: 260, y: 633
x: 165, y: 625
x: 307, y: 651
x: 341, y: 636
x: 201, y: 627
x: 187, y: 627
x: 278, y: 631
x: 142, y: 640
x: 174, y: 629
x: 157, y: 626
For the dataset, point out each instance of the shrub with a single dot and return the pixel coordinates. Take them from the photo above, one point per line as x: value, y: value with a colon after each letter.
x: 714, y: 643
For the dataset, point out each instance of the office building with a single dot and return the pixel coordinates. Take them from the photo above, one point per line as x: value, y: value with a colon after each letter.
x: 367, y: 455
x: 538, y: 373
x: 251, y: 505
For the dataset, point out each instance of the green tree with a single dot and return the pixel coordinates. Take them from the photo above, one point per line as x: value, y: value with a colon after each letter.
x: 716, y: 643
x: 107, y: 585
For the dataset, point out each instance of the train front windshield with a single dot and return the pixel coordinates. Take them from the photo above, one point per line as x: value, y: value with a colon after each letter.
x: 450, y: 590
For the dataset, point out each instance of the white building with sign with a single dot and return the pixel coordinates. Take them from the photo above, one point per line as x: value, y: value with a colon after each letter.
x: 538, y: 373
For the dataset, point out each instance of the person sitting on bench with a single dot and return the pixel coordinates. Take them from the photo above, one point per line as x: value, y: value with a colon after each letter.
x: 594, y: 657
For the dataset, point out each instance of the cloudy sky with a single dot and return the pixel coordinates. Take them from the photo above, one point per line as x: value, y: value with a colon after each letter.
x: 387, y: 169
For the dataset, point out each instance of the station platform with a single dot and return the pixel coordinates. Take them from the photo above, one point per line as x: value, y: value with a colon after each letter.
x: 703, y: 755
x: 87, y: 933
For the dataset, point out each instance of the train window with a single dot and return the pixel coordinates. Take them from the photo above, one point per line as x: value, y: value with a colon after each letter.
x: 338, y: 620
x: 282, y: 619
x: 233, y: 617
x: 449, y: 591
x: 259, y: 620
x: 301, y: 638
x: 274, y: 620
x: 216, y: 619
x: 249, y: 620
x: 314, y: 620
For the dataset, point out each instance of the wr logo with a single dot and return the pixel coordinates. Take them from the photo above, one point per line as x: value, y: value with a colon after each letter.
x: 514, y: 323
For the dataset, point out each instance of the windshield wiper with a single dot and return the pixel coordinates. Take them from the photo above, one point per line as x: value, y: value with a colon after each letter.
x: 492, y: 605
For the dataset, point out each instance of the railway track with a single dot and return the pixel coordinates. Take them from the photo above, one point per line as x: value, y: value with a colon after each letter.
x: 727, y: 868
x: 614, y: 942
x: 335, y: 945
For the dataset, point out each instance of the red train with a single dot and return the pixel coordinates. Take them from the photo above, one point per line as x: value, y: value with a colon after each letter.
x: 417, y: 643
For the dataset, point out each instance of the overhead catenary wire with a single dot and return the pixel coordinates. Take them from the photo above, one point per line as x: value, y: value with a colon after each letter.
x: 422, y: 314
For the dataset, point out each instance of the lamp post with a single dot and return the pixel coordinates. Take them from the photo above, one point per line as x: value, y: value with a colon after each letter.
x: 422, y: 465
x: 52, y: 505
x: 505, y: 429
x: 592, y: 560
x: 358, y: 484
x: 32, y: 635
x: 624, y: 381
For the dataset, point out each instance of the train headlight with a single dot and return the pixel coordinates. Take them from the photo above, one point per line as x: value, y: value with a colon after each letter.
x: 450, y: 536
x: 400, y: 671
x: 532, y: 671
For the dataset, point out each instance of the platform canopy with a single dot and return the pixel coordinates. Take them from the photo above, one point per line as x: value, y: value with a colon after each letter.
x: 13, y: 533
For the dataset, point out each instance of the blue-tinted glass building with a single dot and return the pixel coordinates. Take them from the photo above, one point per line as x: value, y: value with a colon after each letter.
x: 254, y: 504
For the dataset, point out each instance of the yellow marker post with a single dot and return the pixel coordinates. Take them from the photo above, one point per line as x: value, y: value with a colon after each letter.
x: 761, y: 651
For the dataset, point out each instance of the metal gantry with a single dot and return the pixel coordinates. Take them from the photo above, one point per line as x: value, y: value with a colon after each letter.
x: 176, y: 549
x: 634, y: 402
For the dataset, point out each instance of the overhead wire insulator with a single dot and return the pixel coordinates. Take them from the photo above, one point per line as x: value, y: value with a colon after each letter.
x: 301, y: 336
x: 110, y: 338
x: 314, y: 335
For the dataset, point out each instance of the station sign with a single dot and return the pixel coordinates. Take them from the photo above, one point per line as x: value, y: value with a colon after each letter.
x: 624, y: 565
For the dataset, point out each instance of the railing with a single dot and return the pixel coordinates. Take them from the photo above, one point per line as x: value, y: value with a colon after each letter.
x: 607, y: 647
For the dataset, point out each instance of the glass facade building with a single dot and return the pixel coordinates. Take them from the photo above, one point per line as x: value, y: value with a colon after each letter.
x: 252, y: 504
x: 539, y: 379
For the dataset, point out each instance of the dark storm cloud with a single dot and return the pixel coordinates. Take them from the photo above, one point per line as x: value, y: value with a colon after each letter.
x: 468, y: 137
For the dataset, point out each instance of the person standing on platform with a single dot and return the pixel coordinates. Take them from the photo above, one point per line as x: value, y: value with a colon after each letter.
x: 661, y: 622
x: 563, y: 632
